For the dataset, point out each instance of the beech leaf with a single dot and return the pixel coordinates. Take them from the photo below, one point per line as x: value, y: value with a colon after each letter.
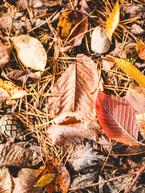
x: 5, y: 181
x: 76, y: 88
x: 113, y: 20
x: 131, y: 70
x: 117, y: 119
x: 30, y: 51
x: 71, y: 127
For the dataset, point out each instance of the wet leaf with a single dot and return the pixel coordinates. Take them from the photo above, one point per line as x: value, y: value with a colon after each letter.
x: 5, y: 181
x: 12, y: 90
x: 113, y: 20
x: 72, y: 27
x: 72, y: 127
x: 140, y: 48
x: 117, y: 119
x: 100, y: 42
x: 4, y: 55
x: 80, y: 82
x: 26, y: 48
x: 131, y: 70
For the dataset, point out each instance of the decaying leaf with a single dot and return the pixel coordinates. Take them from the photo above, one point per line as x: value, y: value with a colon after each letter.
x: 131, y: 70
x: 140, y: 48
x: 23, y: 75
x: 4, y: 55
x: 83, y: 156
x: 71, y: 127
x: 5, y: 181
x: 3, y: 96
x: 13, y: 154
x: 117, y: 119
x: 72, y: 26
x: 100, y: 42
x: 113, y: 20
x: 76, y: 89
x: 30, y: 51
x: 25, y: 180
x: 62, y: 178
x: 45, y: 180
x: 12, y: 90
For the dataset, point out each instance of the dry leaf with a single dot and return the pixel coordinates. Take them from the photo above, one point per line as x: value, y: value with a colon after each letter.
x: 12, y: 90
x: 113, y: 20
x: 45, y: 180
x: 140, y: 48
x: 19, y: 155
x: 72, y: 27
x: 3, y: 96
x: 4, y: 55
x: 25, y: 180
x: 71, y: 127
x: 5, y: 181
x: 76, y: 89
x: 62, y: 180
x: 30, y: 51
x: 100, y: 42
x: 23, y: 75
x: 117, y: 119
x: 83, y: 156
x: 131, y: 70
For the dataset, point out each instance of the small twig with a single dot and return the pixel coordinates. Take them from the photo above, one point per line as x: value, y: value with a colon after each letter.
x: 138, y: 174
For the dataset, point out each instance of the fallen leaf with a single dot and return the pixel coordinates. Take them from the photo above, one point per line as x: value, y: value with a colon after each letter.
x: 4, y: 55
x: 24, y: 182
x: 5, y: 181
x: 131, y: 70
x: 100, y: 42
x: 62, y: 180
x: 3, y: 96
x: 17, y: 154
x: 71, y: 127
x: 23, y: 75
x: 72, y: 27
x: 140, y: 49
x: 45, y: 180
x: 113, y: 20
x: 117, y: 119
x: 76, y: 88
x: 12, y: 90
x: 26, y: 48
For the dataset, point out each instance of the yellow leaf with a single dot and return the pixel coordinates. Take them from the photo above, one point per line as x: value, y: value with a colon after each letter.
x: 113, y: 20
x: 45, y: 180
x: 131, y: 70
x: 13, y: 91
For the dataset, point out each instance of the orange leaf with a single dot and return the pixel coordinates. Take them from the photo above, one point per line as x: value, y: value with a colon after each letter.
x: 140, y: 49
x: 113, y: 20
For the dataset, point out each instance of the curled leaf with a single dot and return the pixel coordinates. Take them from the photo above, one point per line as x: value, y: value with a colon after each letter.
x: 131, y: 70
x: 5, y: 181
x: 100, y: 42
x: 30, y: 51
x: 12, y: 90
x: 117, y: 119
x: 113, y: 20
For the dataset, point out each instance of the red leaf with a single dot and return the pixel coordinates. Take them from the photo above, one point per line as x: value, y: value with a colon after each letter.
x: 117, y: 119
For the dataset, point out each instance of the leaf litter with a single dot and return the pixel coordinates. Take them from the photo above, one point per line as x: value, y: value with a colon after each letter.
x: 72, y: 109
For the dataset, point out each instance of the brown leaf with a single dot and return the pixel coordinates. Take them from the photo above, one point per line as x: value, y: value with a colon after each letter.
x: 25, y: 180
x: 23, y: 75
x: 6, y: 21
x: 4, y: 55
x: 140, y: 48
x: 19, y: 155
x: 71, y: 127
x: 76, y: 89
x: 72, y: 27
x: 3, y: 96
x: 117, y: 118
x: 5, y: 181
